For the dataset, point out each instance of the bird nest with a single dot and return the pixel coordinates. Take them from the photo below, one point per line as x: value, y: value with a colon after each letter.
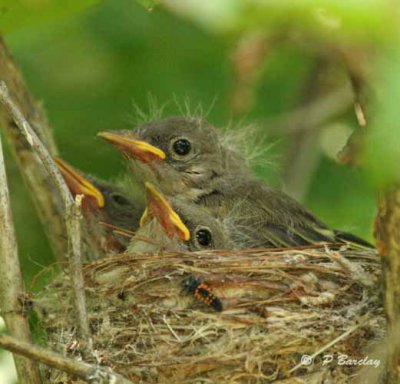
x: 243, y: 316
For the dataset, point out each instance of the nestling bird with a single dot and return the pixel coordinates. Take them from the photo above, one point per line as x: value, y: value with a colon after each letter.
x: 176, y: 225
x: 111, y: 214
x: 186, y: 157
x: 182, y: 155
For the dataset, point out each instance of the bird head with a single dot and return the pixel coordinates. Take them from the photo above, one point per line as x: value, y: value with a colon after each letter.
x: 106, y: 202
x: 177, y: 154
x: 190, y: 227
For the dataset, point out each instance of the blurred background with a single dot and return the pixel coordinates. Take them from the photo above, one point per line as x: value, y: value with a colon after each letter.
x: 292, y: 71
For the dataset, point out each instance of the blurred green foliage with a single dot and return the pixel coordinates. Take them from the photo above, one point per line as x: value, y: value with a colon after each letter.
x: 359, y: 20
x: 16, y: 15
x: 90, y: 62
x: 382, y: 154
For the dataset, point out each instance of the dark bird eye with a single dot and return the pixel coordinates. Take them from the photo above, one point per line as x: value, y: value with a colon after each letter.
x: 119, y: 199
x: 182, y: 147
x: 204, y: 237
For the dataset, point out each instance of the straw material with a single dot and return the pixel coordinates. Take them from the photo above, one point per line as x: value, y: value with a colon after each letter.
x: 277, y: 306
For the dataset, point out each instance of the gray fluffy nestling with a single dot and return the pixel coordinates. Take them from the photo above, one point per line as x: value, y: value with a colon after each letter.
x: 188, y: 157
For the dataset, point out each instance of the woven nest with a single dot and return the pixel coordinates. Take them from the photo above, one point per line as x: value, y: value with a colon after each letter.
x: 276, y: 307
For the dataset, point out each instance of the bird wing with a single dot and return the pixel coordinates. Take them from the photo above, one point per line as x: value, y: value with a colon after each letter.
x: 259, y: 216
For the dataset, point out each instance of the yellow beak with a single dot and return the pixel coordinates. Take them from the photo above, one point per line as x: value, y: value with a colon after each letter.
x: 77, y: 184
x: 137, y: 148
x: 159, y: 207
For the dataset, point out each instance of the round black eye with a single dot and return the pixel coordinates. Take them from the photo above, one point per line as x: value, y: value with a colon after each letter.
x: 119, y: 199
x: 182, y: 147
x: 204, y: 237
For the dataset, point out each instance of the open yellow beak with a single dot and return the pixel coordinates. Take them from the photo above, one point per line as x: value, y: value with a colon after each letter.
x: 159, y: 207
x: 137, y: 148
x: 77, y: 184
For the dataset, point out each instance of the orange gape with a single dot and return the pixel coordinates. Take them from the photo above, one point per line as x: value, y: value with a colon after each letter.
x: 159, y: 207
x: 163, y: 215
x: 96, y: 209
x: 78, y: 185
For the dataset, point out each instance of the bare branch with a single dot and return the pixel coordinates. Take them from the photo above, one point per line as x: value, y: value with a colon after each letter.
x: 74, y: 219
x: 47, y: 203
x: 33, y: 140
x: 11, y: 285
x: 85, y: 371
x: 71, y: 210
x: 318, y: 112
x: 247, y: 60
x: 387, y: 224
x: 303, y: 155
x: 350, y: 154
x: 20, y: 93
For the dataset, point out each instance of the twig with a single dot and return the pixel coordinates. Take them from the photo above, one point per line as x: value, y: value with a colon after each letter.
x: 20, y: 93
x: 317, y: 112
x: 33, y: 140
x: 47, y: 203
x: 74, y: 218
x: 70, y: 208
x: 351, y: 153
x: 11, y: 285
x: 171, y: 329
x: 355, y: 61
x: 247, y: 59
x: 85, y: 371
x: 387, y: 235
x: 118, y: 230
x: 303, y: 154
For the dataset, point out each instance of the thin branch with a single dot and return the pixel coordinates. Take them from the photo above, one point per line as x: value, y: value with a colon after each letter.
x: 11, y: 285
x: 33, y: 140
x: 351, y: 153
x: 387, y: 235
x: 85, y: 371
x: 247, y: 63
x: 70, y: 208
x: 74, y: 219
x: 355, y: 61
x: 303, y: 154
x: 47, y: 203
x: 318, y: 112
x: 20, y: 93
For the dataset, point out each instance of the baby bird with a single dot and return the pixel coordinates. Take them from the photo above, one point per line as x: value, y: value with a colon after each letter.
x: 111, y: 215
x: 176, y: 225
x: 186, y: 157
x: 182, y: 155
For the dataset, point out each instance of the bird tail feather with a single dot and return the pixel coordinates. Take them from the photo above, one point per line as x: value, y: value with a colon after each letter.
x: 353, y: 239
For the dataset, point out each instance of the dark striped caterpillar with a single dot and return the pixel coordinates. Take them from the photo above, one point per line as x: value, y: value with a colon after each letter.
x: 202, y: 292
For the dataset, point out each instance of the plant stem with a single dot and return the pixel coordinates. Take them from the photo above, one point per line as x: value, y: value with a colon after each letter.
x: 11, y: 284
x: 71, y: 212
x: 48, y: 204
x: 85, y: 371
